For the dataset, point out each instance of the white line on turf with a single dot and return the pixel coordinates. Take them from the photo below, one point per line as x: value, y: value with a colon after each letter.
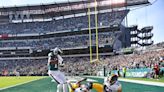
x: 143, y: 82
x: 135, y: 81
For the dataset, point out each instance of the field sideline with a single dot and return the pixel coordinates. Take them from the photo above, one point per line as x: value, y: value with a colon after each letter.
x: 44, y: 84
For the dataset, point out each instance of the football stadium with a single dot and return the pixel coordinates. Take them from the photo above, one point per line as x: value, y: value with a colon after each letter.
x: 79, y: 46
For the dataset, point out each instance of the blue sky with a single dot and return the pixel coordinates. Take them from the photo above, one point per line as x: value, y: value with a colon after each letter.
x: 148, y: 16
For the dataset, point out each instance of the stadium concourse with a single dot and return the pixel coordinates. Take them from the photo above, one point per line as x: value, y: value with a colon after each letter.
x: 29, y: 33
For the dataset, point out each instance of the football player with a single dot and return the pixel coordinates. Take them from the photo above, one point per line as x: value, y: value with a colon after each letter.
x: 78, y: 87
x: 54, y: 61
x: 111, y: 84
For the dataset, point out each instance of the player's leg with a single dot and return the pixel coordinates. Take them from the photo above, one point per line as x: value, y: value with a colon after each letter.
x: 65, y: 87
x: 53, y: 75
x: 60, y: 78
x: 60, y: 88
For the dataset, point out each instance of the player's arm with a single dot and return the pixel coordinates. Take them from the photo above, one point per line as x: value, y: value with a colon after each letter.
x: 73, y: 86
x: 84, y: 79
x: 97, y: 86
x: 60, y: 59
x: 60, y: 51
x: 49, y: 58
x: 119, y: 89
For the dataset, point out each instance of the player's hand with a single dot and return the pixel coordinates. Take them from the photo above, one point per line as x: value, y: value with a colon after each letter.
x: 61, y: 65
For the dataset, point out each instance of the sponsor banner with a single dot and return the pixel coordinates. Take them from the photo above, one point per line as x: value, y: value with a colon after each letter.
x: 134, y: 72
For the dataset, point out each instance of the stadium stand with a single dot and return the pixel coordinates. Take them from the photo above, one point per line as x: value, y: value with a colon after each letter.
x: 24, y: 67
x: 104, y: 19
x: 25, y: 38
x: 81, y: 65
x: 62, y: 42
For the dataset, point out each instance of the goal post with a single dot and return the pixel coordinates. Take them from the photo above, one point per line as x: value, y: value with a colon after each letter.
x: 90, y: 34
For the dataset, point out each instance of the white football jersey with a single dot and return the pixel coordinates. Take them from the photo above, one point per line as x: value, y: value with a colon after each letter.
x: 116, y: 87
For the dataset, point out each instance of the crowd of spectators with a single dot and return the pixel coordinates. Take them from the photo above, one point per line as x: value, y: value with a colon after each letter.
x: 24, y: 66
x: 62, y: 42
x: 104, y: 19
x: 82, y: 65
x: 137, y: 60
x: 74, y: 65
x: 131, y: 61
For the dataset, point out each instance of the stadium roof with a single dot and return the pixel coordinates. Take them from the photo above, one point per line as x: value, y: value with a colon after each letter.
x: 57, y: 9
x: 71, y: 2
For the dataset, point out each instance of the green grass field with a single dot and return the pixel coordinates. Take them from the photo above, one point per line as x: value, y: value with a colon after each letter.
x: 134, y: 87
x: 11, y: 81
x: 44, y: 84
